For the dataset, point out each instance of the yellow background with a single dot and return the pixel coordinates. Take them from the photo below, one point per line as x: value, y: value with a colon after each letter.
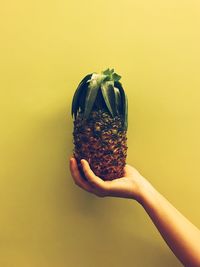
x: 46, y: 48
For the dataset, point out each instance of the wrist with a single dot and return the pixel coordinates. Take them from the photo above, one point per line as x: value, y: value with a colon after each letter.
x: 146, y: 192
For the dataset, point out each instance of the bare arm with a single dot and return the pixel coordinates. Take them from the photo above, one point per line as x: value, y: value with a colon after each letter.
x: 179, y: 233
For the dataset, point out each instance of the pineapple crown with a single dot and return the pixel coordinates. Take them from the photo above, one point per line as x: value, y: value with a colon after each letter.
x: 99, y: 90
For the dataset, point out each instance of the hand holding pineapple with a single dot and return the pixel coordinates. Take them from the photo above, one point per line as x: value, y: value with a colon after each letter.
x: 128, y: 186
x: 180, y: 234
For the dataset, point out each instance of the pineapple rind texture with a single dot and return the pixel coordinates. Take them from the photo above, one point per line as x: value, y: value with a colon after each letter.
x: 102, y: 141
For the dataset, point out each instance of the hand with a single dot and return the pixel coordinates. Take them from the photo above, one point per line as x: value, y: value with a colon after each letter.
x: 128, y: 186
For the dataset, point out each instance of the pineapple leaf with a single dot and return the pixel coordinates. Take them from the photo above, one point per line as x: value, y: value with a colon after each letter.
x: 106, y: 72
x: 116, y: 77
x: 107, y: 78
x: 81, y: 100
x: 107, y: 89
x: 124, y: 103
x: 118, y: 100
x: 126, y: 113
x: 111, y: 75
x: 122, y: 93
x: 75, y: 101
x: 91, y: 95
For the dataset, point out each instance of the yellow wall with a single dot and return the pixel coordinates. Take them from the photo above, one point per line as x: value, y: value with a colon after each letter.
x: 46, y: 47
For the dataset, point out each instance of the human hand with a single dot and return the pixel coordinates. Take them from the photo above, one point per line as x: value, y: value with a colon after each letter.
x: 128, y: 186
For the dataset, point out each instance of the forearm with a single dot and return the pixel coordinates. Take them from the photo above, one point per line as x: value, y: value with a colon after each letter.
x: 179, y: 233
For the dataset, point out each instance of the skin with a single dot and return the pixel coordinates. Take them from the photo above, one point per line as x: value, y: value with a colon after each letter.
x: 182, y: 237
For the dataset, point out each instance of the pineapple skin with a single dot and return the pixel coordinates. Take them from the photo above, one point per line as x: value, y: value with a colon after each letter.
x: 102, y: 141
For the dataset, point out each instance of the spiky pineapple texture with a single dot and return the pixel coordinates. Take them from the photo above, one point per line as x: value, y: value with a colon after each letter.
x: 102, y: 141
x: 100, y: 108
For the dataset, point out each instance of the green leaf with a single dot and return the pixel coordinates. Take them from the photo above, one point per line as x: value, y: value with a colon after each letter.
x: 91, y: 95
x: 106, y: 72
x: 126, y: 113
x: 82, y: 97
x: 107, y: 89
x: 116, y: 77
x: 75, y: 101
x: 122, y: 93
x: 107, y: 78
x: 124, y: 103
x: 118, y: 100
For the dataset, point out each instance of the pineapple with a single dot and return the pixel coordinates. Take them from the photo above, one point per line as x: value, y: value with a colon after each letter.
x: 100, y: 110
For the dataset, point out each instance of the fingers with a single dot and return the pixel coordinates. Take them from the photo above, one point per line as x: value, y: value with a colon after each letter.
x: 96, y: 182
x: 77, y: 177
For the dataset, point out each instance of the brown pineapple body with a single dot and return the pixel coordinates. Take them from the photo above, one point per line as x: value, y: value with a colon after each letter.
x: 102, y: 141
